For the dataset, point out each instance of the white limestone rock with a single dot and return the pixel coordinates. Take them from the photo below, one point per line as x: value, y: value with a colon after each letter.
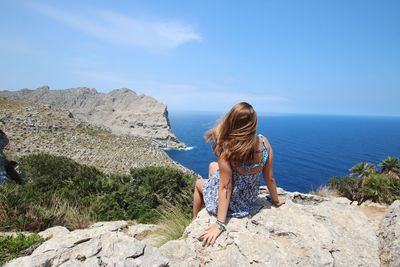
x: 389, y: 234
x: 102, y: 244
x: 306, y: 231
x: 56, y: 231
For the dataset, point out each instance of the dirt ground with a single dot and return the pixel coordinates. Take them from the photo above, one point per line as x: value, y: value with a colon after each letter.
x: 373, y: 212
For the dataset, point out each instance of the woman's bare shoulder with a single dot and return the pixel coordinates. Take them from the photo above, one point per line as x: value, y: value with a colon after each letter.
x: 266, y: 141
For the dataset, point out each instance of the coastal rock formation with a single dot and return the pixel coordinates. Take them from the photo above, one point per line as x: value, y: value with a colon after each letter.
x: 121, y: 110
x: 102, y: 244
x: 389, y: 234
x: 307, y: 231
x: 34, y: 128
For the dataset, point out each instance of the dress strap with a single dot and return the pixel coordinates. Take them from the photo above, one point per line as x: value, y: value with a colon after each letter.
x: 264, y: 157
x: 262, y: 138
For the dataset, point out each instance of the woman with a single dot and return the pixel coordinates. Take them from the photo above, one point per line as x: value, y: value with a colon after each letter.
x: 232, y: 187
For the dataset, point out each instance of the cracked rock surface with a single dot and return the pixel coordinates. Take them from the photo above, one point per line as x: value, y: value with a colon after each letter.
x: 102, y: 244
x: 307, y: 231
x: 389, y: 233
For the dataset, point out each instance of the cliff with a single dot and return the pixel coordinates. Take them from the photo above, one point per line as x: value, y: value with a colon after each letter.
x: 121, y: 110
x: 33, y: 128
x: 307, y: 231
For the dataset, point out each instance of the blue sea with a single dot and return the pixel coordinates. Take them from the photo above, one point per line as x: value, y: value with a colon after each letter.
x: 308, y: 149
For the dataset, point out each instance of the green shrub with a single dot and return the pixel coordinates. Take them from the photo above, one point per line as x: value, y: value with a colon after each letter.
x: 106, y: 208
x: 348, y: 187
x: 381, y: 188
x: 365, y: 183
x: 13, y: 246
x: 376, y: 187
x: 60, y: 191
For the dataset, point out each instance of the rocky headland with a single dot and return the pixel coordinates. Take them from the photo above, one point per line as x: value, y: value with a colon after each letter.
x: 307, y: 231
x: 105, y: 131
x: 122, y: 111
x: 34, y: 128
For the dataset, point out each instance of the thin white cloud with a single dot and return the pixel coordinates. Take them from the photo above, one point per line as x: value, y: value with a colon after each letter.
x: 116, y: 28
x: 183, y: 96
x: 195, y: 98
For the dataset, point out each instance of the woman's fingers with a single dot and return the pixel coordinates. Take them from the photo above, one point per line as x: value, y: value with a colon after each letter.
x: 205, y: 232
x: 209, y: 236
x: 206, y: 240
x: 213, y: 239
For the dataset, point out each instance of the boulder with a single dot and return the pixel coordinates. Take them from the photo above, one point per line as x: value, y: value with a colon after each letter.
x: 389, y: 236
x: 102, y: 244
x: 307, y: 231
x: 56, y: 231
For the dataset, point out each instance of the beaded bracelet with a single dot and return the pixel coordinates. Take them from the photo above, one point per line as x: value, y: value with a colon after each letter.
x: 220, y: 225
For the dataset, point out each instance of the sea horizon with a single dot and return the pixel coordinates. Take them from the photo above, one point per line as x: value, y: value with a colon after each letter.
x: 221, y: 113
x: 308, y: 148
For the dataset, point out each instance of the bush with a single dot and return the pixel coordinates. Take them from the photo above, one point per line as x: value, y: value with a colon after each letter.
x: 60, y: 191
x: 376, y: 187
x: 348, y: 187
x: 152, y: 187
x: 365, y: 183
x: 13, y: 246
x: 381, y: 188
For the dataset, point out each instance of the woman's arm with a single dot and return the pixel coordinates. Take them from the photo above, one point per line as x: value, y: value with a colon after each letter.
x: 225, y: 189
x: 224, y: 195
x: 269, y: 178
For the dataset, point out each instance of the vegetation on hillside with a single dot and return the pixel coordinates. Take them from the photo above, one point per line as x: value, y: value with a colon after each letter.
x: 14, y: 246
x: 60, y: 191
x: 365, y: 182
x: 35, y: 128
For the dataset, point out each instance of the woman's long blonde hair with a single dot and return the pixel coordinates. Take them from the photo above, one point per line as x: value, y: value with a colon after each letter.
x: 234, y: 136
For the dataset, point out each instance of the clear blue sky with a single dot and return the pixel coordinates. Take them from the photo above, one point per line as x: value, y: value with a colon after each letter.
x: 323, y: 57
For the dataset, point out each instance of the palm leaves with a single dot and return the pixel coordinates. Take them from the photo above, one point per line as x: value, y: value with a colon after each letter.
x: 390, y: 165
x: 366, y: 183
x: 362, y: 170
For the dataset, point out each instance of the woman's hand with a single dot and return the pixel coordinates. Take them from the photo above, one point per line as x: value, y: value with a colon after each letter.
x: 210, y: 235
x: 279, y: 202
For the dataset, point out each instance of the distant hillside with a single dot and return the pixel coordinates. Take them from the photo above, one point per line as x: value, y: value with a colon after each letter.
x: 121, y: 110
x: 33, y: 128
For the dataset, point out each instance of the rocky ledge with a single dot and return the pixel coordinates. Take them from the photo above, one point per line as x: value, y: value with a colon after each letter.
x: 122, y: 111
x: 307, y: 231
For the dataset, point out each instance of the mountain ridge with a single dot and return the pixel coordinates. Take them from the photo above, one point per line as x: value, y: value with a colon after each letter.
x: 37, y: 128
x: 122, y: 110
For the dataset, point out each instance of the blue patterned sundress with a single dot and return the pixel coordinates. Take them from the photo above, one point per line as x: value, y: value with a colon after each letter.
x: 244, y: 189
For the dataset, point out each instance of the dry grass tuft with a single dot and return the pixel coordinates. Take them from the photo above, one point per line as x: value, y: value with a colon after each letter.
x: 172, y: 224
x: 325, y: 191
x: 56, y: 211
